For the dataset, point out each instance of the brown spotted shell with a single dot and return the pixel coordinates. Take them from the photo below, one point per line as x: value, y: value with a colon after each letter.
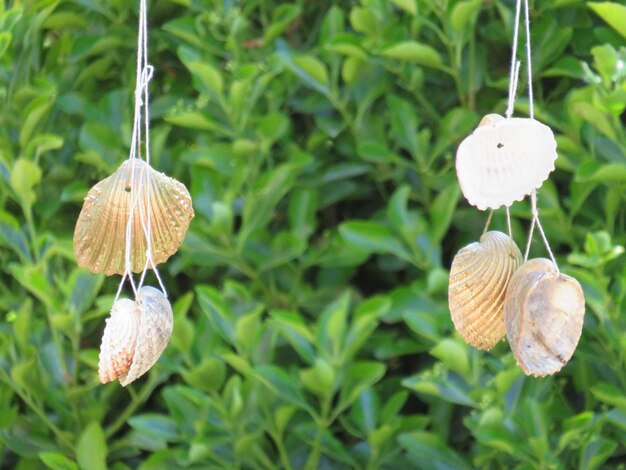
x: 479, y: 277
x: 100, y: 233
x: 504, y: 160
x: 544, y: 313
x: 135, y: 336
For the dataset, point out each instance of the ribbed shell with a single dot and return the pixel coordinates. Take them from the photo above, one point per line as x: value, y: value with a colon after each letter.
x: 155, y: 330
x: 503, y: 160
x: 100, y: 233
x: 544, y: 314
x: 119, y: 340
x: 479, y: 277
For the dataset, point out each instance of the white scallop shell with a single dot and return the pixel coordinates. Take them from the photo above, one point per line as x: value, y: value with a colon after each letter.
x: 100, y: 233
x: 479, y: 277
x: 543, y: 313
x: 504, y: 160
x: 135, y: 336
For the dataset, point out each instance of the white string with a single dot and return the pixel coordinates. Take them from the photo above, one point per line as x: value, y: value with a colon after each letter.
x: 508, y: 222
x: 144, y: 74
x: 514, y: 63
x: 529, y: 63
x: 537, y: 222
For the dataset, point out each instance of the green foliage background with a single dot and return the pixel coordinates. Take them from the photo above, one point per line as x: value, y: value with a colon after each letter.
x: 311, y: 324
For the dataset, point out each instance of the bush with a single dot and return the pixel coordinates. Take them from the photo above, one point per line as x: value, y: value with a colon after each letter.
x: 311, y: 320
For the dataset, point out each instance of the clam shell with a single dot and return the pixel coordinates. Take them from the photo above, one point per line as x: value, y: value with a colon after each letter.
x: 479, y: 277
x: 119, y: 340
x: 155, y: 329
x: 100, y: 233
x: 504, y: 160
x: 544, y: 314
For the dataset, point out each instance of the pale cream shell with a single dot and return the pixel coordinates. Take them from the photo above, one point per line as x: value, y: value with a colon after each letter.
x: 100, y: 233
x: 544, y: 313
x: 504, y: 160
x: 135, y: 336
x: 479, y: 277
x: 119, y: 340
x: 155, y: 330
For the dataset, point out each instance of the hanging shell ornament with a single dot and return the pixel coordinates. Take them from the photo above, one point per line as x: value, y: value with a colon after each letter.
x: 479, y: 277
x: 135, y: 336
x: 544, y: 313
x: 504, y: 160
x: 100, y: 233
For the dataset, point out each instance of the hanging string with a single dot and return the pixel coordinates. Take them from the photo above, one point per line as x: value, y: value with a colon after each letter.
x: 529, y: 62
x: 144, y: 74
x: 488, y: 221
x: 537, y: 222
x: 508, y: 222
x: 514, y: 63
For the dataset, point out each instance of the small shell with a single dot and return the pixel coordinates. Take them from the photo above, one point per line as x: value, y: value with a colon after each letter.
x: 479, y: 277
x: 504, y: 160
x: 155, y: 330
x: 119, y: 340
x: 135, y: 336
x: 100, y: 233
x: 544, y: 313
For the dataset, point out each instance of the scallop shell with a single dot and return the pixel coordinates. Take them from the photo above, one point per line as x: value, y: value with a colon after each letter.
x: 135, y: 336
x: 544, y: 313
x: 504, y: 160
x: 479, y: 277
x: 100, y: 233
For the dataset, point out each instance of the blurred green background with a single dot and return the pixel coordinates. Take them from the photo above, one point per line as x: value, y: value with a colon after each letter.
x: 317, y: 139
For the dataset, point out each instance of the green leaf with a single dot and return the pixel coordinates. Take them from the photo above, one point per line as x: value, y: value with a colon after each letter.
x: 442, y: 211
x: 453, y: 355
x: 410, y: 6
x: 372, y: 237
x: 282, y: 384
x: 155, y: 425
x: 25, y: 175
x: 262, y: 200
x: 91, y: 448
x: 429, y: 447
x: 282, y: 16
x: 332, y: 326
x: 313, y: 67
x: 601, y: 173
x: 208, y: 78
x: 415, y: 52
x: 207, y: 376
x: 360, y: 375
x: 613, y: 13
x: 57, y: 461
x: 463, y: 13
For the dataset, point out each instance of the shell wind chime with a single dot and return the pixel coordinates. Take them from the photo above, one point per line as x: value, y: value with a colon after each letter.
x: 130, y: 222
x: 493, y: 291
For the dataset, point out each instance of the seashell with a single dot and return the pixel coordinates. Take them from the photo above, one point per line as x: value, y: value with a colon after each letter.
x: 479, y: 277
x: 135, y: 336
x: 100, y: 233
x: 544, y: 313
x: 504, y: 160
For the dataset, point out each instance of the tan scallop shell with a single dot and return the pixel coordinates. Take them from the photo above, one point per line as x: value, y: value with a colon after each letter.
x: 135, y: 336
x: 544, y: 314
x: 100, y: 233
x: 504, y: 160
x: 479, y: 277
